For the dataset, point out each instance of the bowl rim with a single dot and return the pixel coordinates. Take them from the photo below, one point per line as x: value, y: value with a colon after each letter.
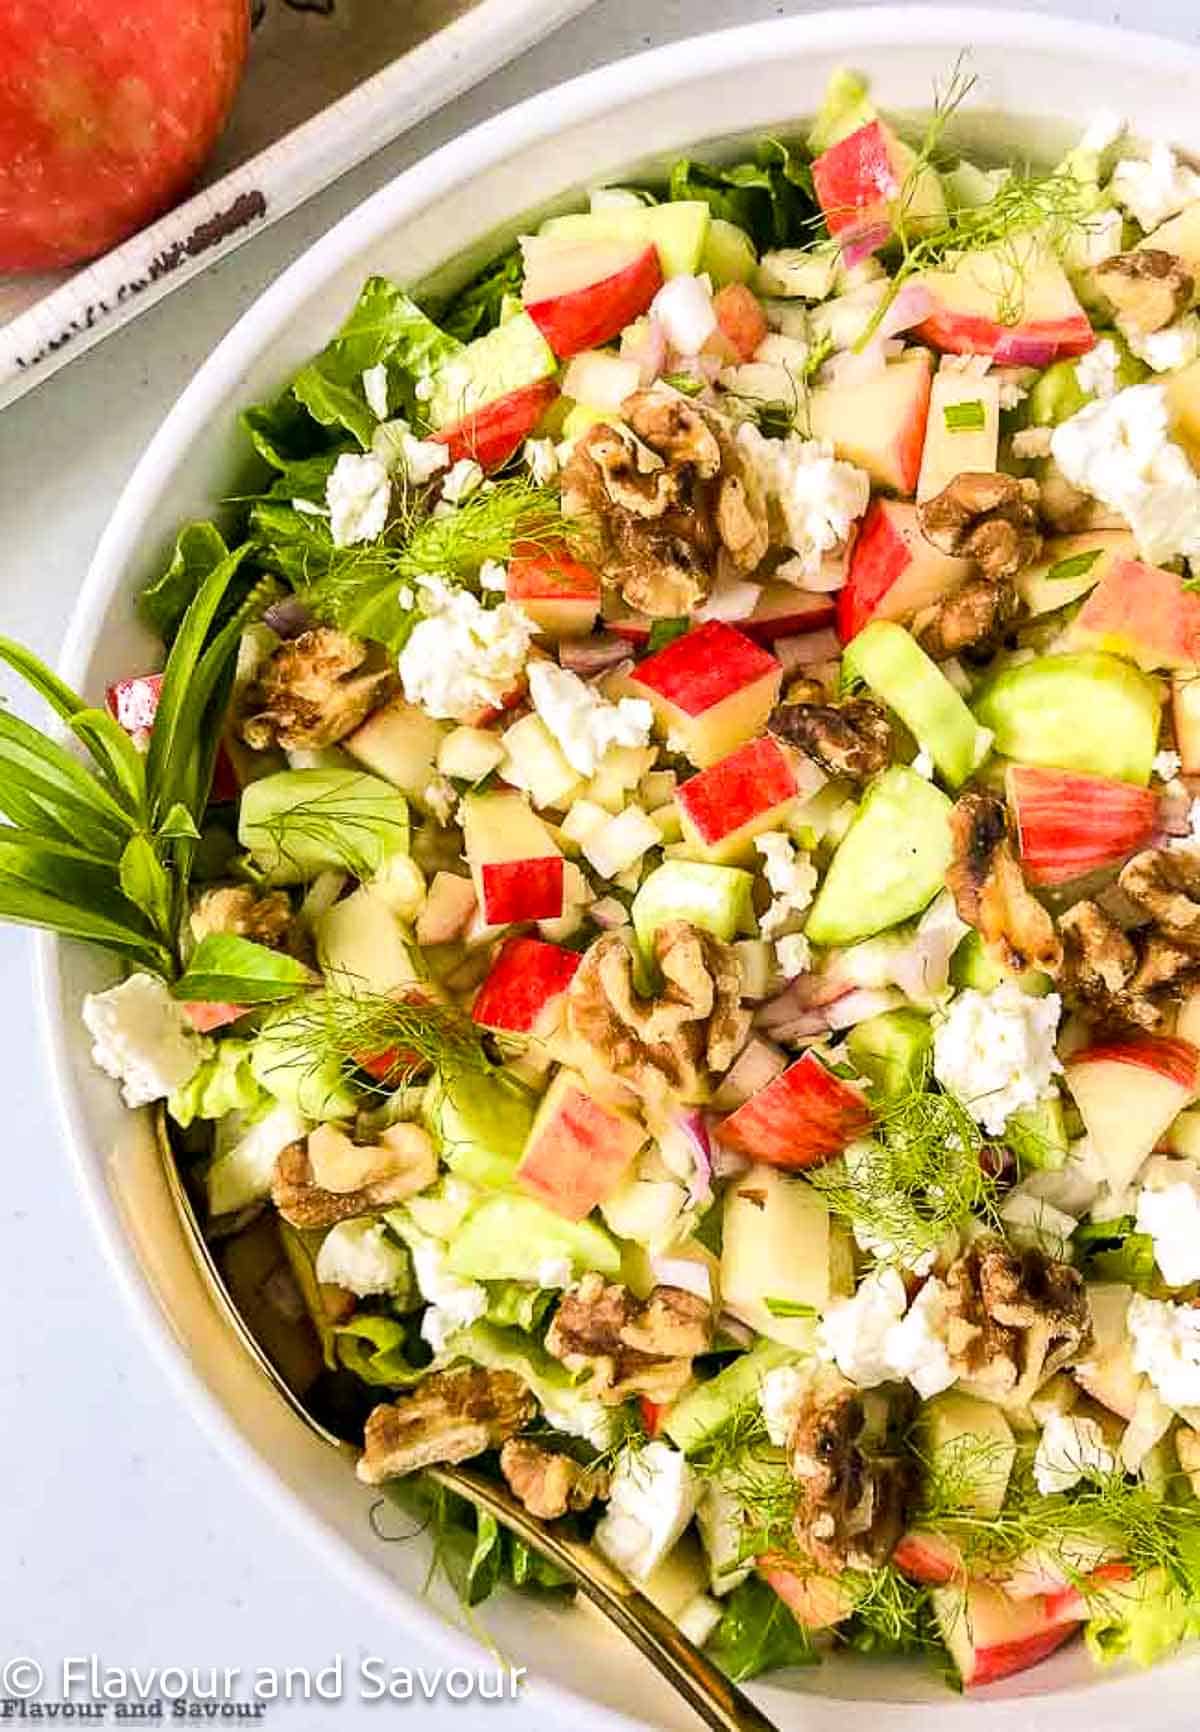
x: 517, y: 128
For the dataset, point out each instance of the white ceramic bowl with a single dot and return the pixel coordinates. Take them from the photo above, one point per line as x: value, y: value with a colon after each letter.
x: 1040, y: 79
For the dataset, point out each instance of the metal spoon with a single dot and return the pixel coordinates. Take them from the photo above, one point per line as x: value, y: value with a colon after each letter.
x: 717, y: 1701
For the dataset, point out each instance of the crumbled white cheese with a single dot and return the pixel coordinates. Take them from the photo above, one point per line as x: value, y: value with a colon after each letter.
x: 781, y: 1394
x: 793, y: 954
x: 555, y: 1272
x: 791, y: 877
x: 1068, y: 1450
x: 652, y: 1499
x: 1174, y: 346
x: 1032, y: 1220
x: 1094, y: 238
x: 1031, y: 442
x: 684, y: 309
x: 397, y: 447
x: 463, y: 657
x: 493, y: 577
x: 995, y: 1051
x: 461, y: 480
x: 1168, y: 1209
x: 1166, y: 1346
x: 922, y: 765
x: 1166, y: 765
x: 854, y: 1332
x: 1102, y: 132
x: 1012, y: 392
x: 1096, y: 372
x: 453, y: 1304
x: 362, y: 1257
x: 583, y: 722
x: 916, y: 1346
x: 375, y: 390
x: 541, y: 459
x: 1120, y: 450
x: 817, y: 497
x: 358, y: 492
x: 142, y: 1037
x: 1155, y: 188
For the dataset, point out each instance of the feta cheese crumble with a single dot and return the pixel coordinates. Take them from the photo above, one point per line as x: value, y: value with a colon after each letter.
x: 780, y: 1395
x: 874, y: 1337
x: 793, y: 954
x: 652, y: 1499
x: 361, y: 1256
x: 816, y: 495
x: 358, y: 493
x: 463, y: 657
x: 791, y: 877
x: 555, y: 1272
x: 453, y: 1304
x: 684, y: 309
x: 583, y: 723
x: 540, y: 457
x: 375, y: 390
x: 1096, y: 372
x: 1168, y: 1209
x: 922, y: 765
x: 1069, y: 1450
x: 1166, y: 1346
x: 461, y: 480
x: 916, y: 1346
x: 1174, y: 346
x: 1032, y: 442
x: 493, y: 577
x: 142, y: 1037
x: 995, y: 1051
x: 1154, y: 188
x: 397, y: 447
x: 1121, y: 451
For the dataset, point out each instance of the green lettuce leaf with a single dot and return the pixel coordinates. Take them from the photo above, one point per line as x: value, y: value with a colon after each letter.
x: 226, y: 969
x: 1141, y: 1620
x: 223, y: 1084
x: 199, y: 549
x: 476, y: 309
x: 770, y: 197
x: 758, y: 1634
x: 475, y: 1553
x: 377, y: 1349
x: 513, y: 1304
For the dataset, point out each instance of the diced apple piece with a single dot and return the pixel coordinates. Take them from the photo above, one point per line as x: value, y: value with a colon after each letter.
x: 879, y: 423
x: 557, y: 592
x: 973, y: 306
x: 1095, y: 1594
x: 1142, y: 613
x: 1069, y: 566
x: 1128, y: 1092
x: 928, y: 1557
x: 600, y: 379
x: 448, y: 909
x: 205, y: 1015
x: 489, y: 436
x: 806, y: 1116
x: 401, y: 744
x: 962, y: 434
x: 1183, y: 407
x: 711, y: 690
x: 1107, y: 1373
x: 1185, y: 714
x: 515, y: 865
x: 1085, y: 711
x: 816, y: 1602
x: 533, y: 762
x: 469, y: 754
x: 894, y: 572
x: 860, y: 182
x: 1068, y: 824
x: 723, y: 808
x: 361, y: 945
x: 990, y: 1636
x: 775, y: 1245
x: 578, y: 1148
x: 524, y: 986
x: 133, y: 703
x: 782, y: 610
x: 581, y: 293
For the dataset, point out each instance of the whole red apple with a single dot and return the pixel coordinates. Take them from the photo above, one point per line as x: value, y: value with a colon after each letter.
x: 107, y: 110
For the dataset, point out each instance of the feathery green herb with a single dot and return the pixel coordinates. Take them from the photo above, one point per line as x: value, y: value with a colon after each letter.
x: 344, y: 1029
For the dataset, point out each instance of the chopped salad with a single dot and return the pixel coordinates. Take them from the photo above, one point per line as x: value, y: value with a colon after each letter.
x: 659, y: 886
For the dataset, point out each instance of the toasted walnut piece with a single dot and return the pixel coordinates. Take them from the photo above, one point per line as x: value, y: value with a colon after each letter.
x: 677, y: 1041
x: 1014, y: 1318
x: 676, y: 429
x: 742, y: 523
x: 850, y: 1508
x: 1121, y: 980
x: 989, y: 518
x: 352, y: 1180
x: 989, y: 892
x: 1165, y: 884
x: 972, y: 618
x: 629, y: 1346
x: 1147, y: 288
x: 547, y: 1482
x: 314, y: 690
x: 852, y: 739
x: 449, y: 1416
x: 644, y: 493
x: 664, y: 578
x: 237, y: 909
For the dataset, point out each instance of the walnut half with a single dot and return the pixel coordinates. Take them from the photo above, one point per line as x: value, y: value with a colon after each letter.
x: 989, y: 890
x: 547, y: 1482
x: 850, y: 1507
x: 987, y: 517
x: 314, y: 690
x: 330, y: 1179
x: 626, y: 1345
x: 852, y: 739
x: 238, y: 909
x: 1015, y: 1317
x: 1147, y: 288
x: 449, y: 1416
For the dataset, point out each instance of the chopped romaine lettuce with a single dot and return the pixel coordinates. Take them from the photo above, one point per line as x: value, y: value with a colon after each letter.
x: 223, y: 1084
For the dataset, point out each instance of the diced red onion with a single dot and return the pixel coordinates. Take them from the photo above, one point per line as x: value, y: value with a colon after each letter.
x: 288, y: 617
x: 863, y: 1004
x: 807, y: 648
x: 736, y: 1330
x: 689, y: 1274
x: 912, y: 304
x: 692, y: 1129
x: 706, y: 367
x: 758, y: 1064
x: 648, y: 348
x: 592, y: 655
x: 866, y: 241
x: 1014, y: 350
x: 1174, y: 812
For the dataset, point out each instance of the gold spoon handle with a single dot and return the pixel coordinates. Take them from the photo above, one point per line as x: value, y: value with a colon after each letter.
x: 718, y: 1701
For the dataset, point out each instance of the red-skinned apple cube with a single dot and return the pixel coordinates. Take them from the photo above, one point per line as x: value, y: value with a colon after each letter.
x: 806, y: 1116
x: 581, y: 294
x: 1128, y: 1092
x: 490, y: 435
x: 1069, y: 824
x: 973, y: 306
x: 558, y: 592
x: 857, y: 182
x: 879, y: 423
x: 894, y: 572
x: 990, y: 1636
x: 578, y: 1149
x: 928, y: 1557
x: 782, y: 610
x: 740, y: 319
x: 725, y: 807
x: 1142, y: 613
x: 710, y: 690
x: 524, y: 986
x: 106, y: 114
x: 205, y: 1015
x: 816, y: 1602
x: 1084, y: 1601
x: 516, y: 867
x: 133, y: 703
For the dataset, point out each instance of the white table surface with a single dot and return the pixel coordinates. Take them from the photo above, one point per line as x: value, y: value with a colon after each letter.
x: 124, y: 1533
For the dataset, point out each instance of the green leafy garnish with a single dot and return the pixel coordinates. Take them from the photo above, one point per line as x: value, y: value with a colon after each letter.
x: 227, y: 969
x: 476, y: 309
x: 965, y: 417
x: 1077, y: 566
x: 470, y: 1548
x: 771, y: 197
x: 758, y: 1633
x: 665, y: 631
x: 377, y: 1349
x: 1114, y: 1251
x: 342, y: 1030
x: 789, y: 1308
x: 224, y: 1083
